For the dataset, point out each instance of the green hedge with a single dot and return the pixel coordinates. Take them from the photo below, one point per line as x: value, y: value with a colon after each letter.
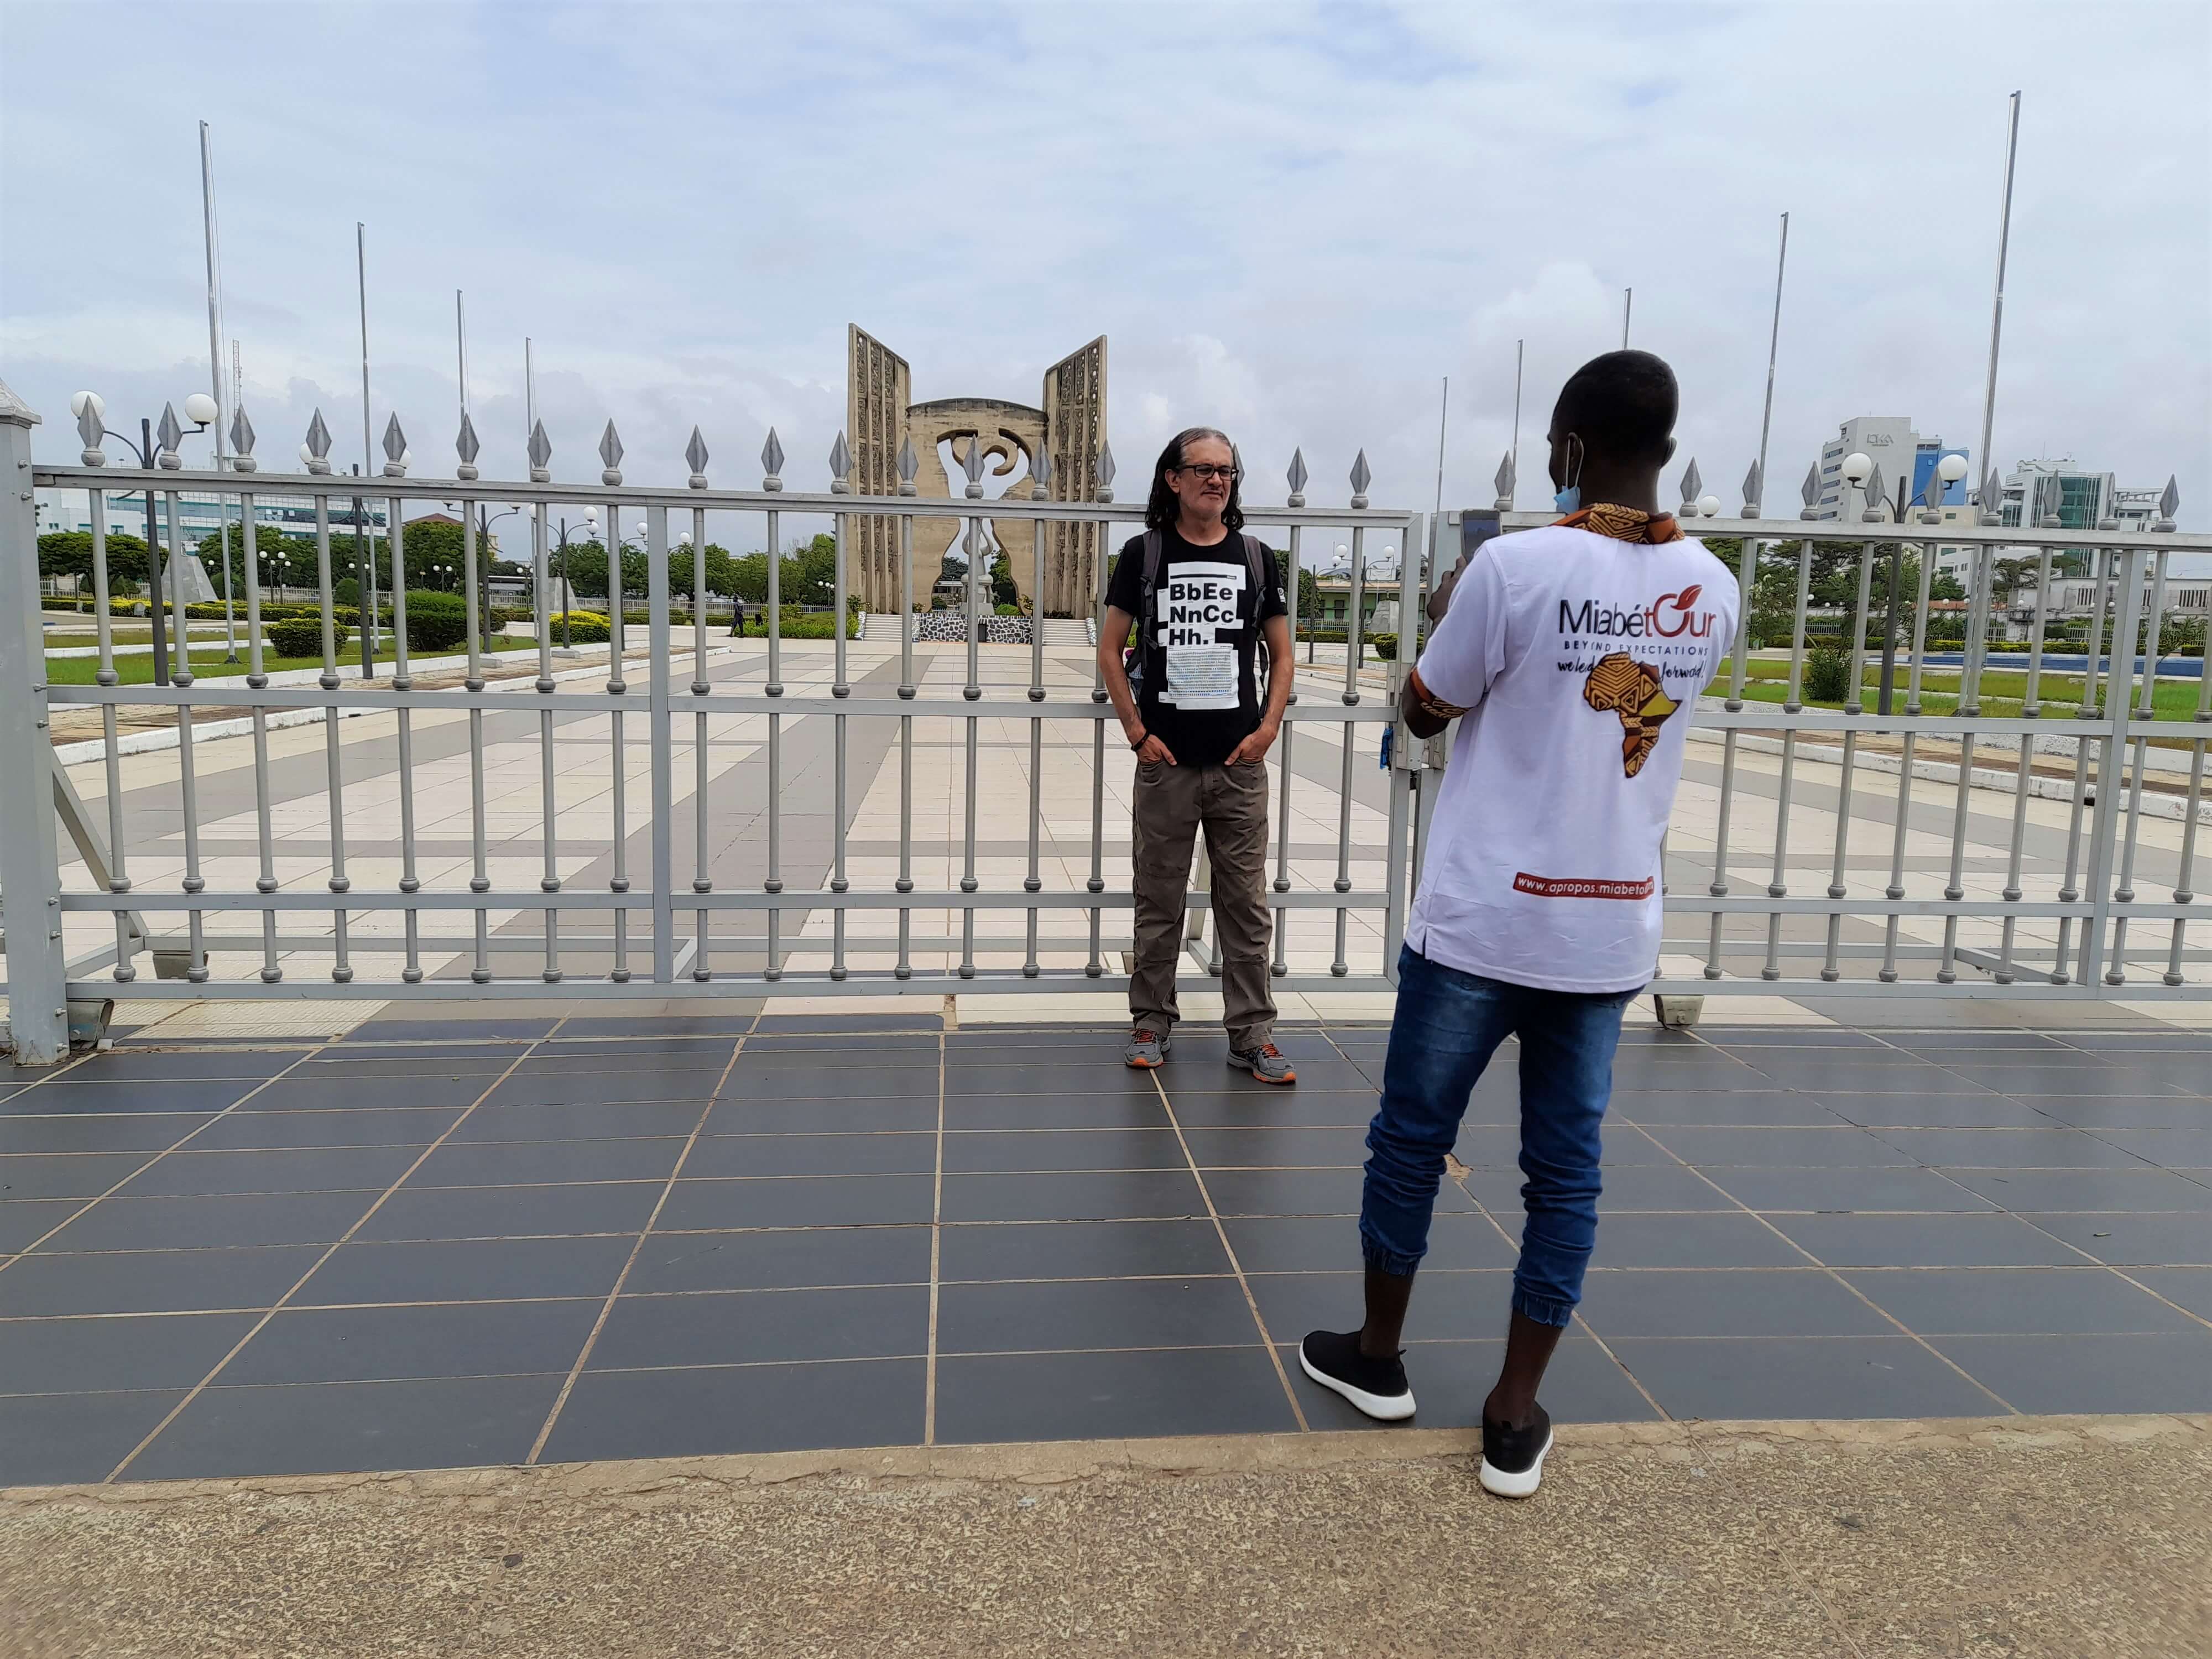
x: 302, y: 636
x: 577, y: 627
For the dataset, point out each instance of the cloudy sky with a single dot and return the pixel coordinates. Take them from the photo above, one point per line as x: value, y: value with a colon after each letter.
x: 1291, y: 219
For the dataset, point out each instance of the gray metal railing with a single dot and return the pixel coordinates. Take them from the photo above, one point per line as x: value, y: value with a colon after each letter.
x: 681, y: 926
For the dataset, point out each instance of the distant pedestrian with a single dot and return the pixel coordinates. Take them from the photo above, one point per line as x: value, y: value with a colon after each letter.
x: 736, y: 619
x: 1568, y: 649
x: 1200, y: 595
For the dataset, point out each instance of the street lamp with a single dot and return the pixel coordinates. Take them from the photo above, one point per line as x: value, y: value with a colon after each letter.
x: 91, y: 411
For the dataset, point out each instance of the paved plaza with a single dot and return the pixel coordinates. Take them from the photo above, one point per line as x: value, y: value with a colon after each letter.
x: 557, y: 1236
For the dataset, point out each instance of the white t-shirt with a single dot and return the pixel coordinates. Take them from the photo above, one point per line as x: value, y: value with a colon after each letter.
x: 1578, y: 656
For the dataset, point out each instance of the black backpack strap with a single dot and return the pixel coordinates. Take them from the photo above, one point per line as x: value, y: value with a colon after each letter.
x: 1257, y: 553
x: 1155, y: 549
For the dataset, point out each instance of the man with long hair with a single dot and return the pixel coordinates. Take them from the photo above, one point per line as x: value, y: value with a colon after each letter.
x: 1573, y: 651
x: 1202, y: 594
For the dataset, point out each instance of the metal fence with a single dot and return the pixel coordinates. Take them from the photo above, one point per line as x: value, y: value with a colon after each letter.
x: 661, y: 915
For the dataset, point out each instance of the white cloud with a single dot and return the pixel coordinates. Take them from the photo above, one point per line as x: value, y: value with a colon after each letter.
x: 1291, y: 221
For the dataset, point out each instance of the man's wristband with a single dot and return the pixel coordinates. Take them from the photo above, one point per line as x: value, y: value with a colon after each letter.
x: 1139, y: 743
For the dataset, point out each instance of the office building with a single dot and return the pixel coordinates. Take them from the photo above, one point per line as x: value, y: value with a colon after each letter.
x: 1896, y: 448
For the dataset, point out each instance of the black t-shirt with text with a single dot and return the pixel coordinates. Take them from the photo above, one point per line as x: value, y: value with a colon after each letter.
x: 1200, y: 695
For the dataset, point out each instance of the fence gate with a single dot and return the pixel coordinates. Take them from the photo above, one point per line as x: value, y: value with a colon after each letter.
x: 709, y: 816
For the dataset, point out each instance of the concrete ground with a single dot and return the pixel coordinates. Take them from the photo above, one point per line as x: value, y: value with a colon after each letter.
x: 2021, y: 1537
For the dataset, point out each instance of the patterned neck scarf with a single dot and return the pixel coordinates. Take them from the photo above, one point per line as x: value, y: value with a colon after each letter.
x: 1623, y: 524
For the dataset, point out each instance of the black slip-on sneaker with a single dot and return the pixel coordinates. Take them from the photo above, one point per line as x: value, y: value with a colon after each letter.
x: 1513, y: 1459
x: 1378, y: 1387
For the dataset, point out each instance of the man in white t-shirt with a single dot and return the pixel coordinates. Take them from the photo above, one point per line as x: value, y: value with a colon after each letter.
x: 1575, y: 653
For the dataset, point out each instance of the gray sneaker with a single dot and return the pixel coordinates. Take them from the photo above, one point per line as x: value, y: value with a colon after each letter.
x: 1266, y: 1062
x: 1145, y: 1049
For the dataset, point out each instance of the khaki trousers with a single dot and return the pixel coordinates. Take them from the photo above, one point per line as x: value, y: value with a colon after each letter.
x: 1231, y: 803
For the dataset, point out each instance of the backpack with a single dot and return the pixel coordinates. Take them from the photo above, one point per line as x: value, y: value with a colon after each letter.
x: 1257, y: 553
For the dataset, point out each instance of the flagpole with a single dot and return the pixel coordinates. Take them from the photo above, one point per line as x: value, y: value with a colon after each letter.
x: 1627, y: 303
x: 1996, y: 309
x: 1773, y: 344
x: 368, y: 573
x: 1518, y: 347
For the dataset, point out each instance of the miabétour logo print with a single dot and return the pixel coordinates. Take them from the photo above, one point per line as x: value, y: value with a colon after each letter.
x: 1634, y: 691
x: 1669, y: 616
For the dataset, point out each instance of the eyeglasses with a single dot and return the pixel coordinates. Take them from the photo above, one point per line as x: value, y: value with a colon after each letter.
x: 1203, y: 471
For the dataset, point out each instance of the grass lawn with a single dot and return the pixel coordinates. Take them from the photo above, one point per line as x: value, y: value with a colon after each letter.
x: 2003, y: 692
x: 208, y: 663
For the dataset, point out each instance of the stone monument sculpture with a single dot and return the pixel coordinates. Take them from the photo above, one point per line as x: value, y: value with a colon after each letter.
x: 880, y: 418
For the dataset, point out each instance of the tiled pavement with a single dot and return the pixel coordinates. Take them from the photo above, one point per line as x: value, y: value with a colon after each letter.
x: 441, y: 1244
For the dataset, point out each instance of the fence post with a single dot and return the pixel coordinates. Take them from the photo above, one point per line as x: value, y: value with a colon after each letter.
x: 30, y: 870
x: 664, y: 737
x: 2119, y: 693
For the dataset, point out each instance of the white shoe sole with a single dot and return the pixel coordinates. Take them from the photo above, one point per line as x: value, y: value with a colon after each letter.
x: 1384, y: 1408
x: 1500, y: 1484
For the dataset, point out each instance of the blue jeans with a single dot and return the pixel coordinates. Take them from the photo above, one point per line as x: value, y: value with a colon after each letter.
x: 1447, y: 1025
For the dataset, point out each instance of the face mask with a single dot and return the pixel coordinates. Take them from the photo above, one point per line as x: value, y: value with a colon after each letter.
x: 1570, y: 499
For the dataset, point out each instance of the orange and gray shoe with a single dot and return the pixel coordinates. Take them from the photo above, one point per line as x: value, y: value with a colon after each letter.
x: 1266, y: 1062
x: 1145, y: 1049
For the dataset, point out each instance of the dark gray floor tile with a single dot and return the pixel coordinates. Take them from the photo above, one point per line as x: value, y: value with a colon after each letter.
x: 483, y: 1062
x: 801, y: 1081
x: 2175, y: 1240
x: 1894, y: 1079
x: 1115, y: 1111
x: 1764, y: 1107
x: 209, y: 1223
x: 1285, y: 1192
x: 885, y: 1048
x: 736, y: 1327
x: 1723, y: 1378
x: 840, y: 1024
x: 87, y: 1354
x: 611, y: 1120
x: 1633, y: 1240
x: 1014, y: 1152
x: 2009, y: 1149
x: 157, y: 1281
x: 125, y: 1131
x: 2170, y: 1372
x: 381, y: 1344
x: 1883, y: 1112
x: 1451, y: 1379
x: 400, y: 1027
x: 2014, y: 1301
x: 1096, y: 1313
x: 173, y: 1067
x: 65, y: 1174
x: 1842, y: 1146
x: 1449, y: 1305
x: 1670, y: 1076
x: 23, y: 1221
x: 2141, y: 1188
x: 1925, y: 1240
x: 1636, y: 1187
x: 821, y: 1117
x: 1725, y: 1302
x: 1860, y: 1191
x: 193, y: 1173
x: 1045, y: 1080
x: 396, y: 1126
x: 701, y: 1057
x: 608, y: 1206
x: 75, y: 1439
x: 1943, y: 1043
x: 1736, y: 1039
x: 785, y: 1259
x: 2187, y: 1287
x: 2103, y: 1113
x: 571, y: 1088
x: 2165, y: 1041
x: 467, y: 1270
x: 349, y: 1094
x: 1277, y: 1108
x: 797, y: 1202
x: 1080, y: 1249
x: 1109, y: 1395
x: 1328, y: 1243
x: 891, y: 1152
x: 2030, y: 1082
x: 529, y: 1162
x: 721, y: 1410
x: 2175, y: 1149
x: 1278, y: 1148
x: 1073, y: 1196
x: 316, y: 1428
x: 681, y: 1027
